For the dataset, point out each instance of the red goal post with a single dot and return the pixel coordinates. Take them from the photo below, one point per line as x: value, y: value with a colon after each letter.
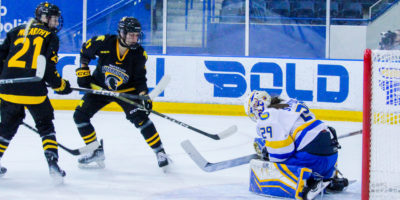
x: 381, y: 125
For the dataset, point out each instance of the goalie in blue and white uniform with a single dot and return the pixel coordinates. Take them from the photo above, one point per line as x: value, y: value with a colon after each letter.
x: 290, y: 134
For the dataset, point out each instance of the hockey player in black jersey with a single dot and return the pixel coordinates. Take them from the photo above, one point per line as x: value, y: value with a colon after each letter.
x: 120, y: 68
x: 18, y: 55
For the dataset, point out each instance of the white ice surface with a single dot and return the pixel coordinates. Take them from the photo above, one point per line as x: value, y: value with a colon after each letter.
x: 131, y: 170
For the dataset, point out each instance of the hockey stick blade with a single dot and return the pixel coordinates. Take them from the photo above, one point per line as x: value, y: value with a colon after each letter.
x: 160, y: 87
x: 211, y: 167
x: 228, y: 132
x: 40, y: 70
x: 86, y: 149
x: 83, y: 150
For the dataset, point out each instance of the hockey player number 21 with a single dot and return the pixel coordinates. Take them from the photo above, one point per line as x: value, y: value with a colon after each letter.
x: 37, y: 43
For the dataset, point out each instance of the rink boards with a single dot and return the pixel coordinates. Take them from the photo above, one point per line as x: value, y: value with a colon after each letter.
x: 219, y: 85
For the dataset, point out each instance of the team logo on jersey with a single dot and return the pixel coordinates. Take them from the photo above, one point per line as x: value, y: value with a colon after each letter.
x: 264, y: 115
x: 114, y: 76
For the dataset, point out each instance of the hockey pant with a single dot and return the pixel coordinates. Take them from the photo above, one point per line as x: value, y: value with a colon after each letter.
x: 323, y: 165
x: 92, y: 103
x: 12, y: 116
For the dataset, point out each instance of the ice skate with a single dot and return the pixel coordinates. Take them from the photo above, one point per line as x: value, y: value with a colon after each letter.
x: 313, y: 188
x: 94, y: 160
x: 56, y: 173
x: 162, y: 159
x: 337, y: 185
x: 3, y: 171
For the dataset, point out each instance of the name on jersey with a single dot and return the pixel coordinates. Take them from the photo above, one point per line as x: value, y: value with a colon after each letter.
x: 35, y: 31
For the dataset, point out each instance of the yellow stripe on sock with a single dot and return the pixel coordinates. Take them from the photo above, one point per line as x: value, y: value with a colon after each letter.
x: 88, y: 136
x: 155, y: 141
x: 49, y: 141
x: 2, y: 146
x: 50, y: 147
x: 89, y: 140
x: 152, y: 137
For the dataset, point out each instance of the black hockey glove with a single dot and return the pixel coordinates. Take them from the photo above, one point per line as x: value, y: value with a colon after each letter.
x: 147, y: 104
x: 84, y: 77
x: 65, y: 87
x: 335, y: 141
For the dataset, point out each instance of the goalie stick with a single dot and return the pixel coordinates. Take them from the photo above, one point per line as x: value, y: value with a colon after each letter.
x: 40, y: 70
x: 83, y: 150
x: 350, y: 134
x: 203, y: 164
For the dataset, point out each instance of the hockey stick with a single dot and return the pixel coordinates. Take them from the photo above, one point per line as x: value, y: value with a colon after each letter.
x: 210, y: 167
x: 111, y: 94
x: 350, y: 134
x: 221, y: 135
x: 154, y: 93
x: 203, y: 164
x: 40, y: 70
x: 83, y: 150
x: 158, y: 90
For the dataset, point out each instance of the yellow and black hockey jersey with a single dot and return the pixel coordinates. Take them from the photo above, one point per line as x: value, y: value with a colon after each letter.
x: 116, y: 72
x: 18, y: 57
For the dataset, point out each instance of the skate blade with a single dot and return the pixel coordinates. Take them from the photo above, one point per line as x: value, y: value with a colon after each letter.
x: 92, y: 165
x: 165, y: 168
x: 57, y: 179
x: 3, y: 172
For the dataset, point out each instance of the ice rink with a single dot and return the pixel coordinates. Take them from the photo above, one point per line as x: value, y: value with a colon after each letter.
x: 131, y: 170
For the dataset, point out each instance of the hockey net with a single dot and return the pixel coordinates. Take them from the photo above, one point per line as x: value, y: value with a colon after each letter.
x: 381, y: 125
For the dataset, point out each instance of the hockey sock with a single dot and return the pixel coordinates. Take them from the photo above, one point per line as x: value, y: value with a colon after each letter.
x: 3, y: 145
x: 89, y: 138
x: 50, y: 144
x: 151, y: 135
x: 87, y: 132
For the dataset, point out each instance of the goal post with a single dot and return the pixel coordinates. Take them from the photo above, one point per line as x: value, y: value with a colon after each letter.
x: 381, y: 125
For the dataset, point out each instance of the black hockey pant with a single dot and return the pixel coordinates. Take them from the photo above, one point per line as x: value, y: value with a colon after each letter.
x: 92, y: 103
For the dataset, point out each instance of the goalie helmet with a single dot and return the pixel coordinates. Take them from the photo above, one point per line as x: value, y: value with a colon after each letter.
x: 126, y: 25
x: 256, y: 103
x: 48, y: 9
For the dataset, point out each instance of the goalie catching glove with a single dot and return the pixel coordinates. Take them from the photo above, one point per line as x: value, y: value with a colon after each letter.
x: 84, y: 77
x: 260, y: 148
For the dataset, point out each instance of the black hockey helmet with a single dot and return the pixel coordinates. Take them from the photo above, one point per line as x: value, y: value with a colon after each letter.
x: 48, y: 9
x: 129, y: 24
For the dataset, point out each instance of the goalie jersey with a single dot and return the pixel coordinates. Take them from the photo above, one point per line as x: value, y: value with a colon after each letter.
x: 288, y: 130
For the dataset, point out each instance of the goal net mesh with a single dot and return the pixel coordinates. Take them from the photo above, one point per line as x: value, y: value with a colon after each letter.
x: 385, y: 125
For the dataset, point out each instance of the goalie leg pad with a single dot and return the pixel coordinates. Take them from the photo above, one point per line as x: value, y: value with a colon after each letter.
x: 278, y: 180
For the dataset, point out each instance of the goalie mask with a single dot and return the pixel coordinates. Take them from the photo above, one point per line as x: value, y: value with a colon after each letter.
x: 129, y: 25
x: 49, y: 11
x: 256, y: 103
